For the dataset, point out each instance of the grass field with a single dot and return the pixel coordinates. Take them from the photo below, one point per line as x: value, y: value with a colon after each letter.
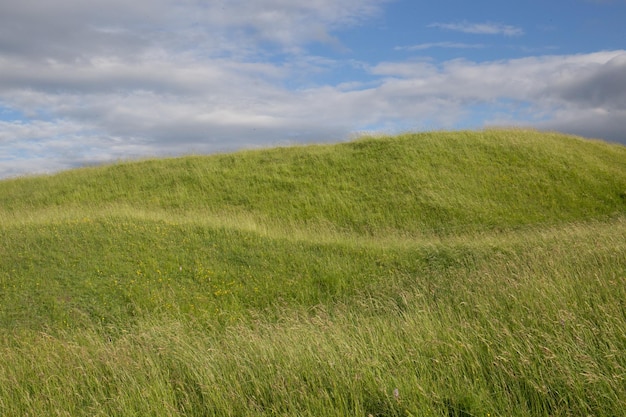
x: 436, y: 274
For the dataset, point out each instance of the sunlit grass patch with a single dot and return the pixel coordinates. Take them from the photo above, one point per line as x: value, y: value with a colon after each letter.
x: 466, y: 273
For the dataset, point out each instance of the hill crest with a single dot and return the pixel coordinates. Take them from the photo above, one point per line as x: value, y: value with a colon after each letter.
x: 443, y: 182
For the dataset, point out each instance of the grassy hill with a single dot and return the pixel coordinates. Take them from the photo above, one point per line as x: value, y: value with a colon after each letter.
x: 449, y: 273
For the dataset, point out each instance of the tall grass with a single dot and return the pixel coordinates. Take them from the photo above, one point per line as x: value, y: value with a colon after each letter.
x: 442, y: 182
x: 458, y: 274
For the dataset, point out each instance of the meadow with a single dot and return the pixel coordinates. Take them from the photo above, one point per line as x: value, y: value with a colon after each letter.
x: 472, y: 273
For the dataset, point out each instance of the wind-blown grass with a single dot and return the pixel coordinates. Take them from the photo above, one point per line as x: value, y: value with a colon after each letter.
x: 467, y: 273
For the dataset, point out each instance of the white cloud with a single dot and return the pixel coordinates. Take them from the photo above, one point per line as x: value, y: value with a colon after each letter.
x: 75, y: 29
x: 599, y: 85
x: 480, y: 28
x: 454, y: 45
x: 582, y: 94
x: 531, y: 78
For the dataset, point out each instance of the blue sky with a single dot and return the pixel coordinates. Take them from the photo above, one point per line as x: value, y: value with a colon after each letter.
x: 91, y: 82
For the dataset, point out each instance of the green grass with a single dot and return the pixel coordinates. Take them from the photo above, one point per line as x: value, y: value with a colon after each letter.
x: 437, y: 274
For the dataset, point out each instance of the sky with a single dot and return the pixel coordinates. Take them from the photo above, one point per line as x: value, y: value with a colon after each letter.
x: 91, y: 82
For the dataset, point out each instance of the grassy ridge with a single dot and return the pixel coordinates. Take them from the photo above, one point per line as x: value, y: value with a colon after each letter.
x: 412, y: 184
x: 476, y: 273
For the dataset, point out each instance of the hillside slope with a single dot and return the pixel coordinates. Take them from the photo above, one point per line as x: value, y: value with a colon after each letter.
x: 415, y: 183
x: 458, y: 274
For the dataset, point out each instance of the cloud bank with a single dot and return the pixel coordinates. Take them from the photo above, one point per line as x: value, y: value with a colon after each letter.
x: 85, y: 84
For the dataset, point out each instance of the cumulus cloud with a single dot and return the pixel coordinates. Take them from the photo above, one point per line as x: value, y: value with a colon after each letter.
x: 582, y: 94
x: 598, y: 85
x: 74, y: 29
x: 523, y: 78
